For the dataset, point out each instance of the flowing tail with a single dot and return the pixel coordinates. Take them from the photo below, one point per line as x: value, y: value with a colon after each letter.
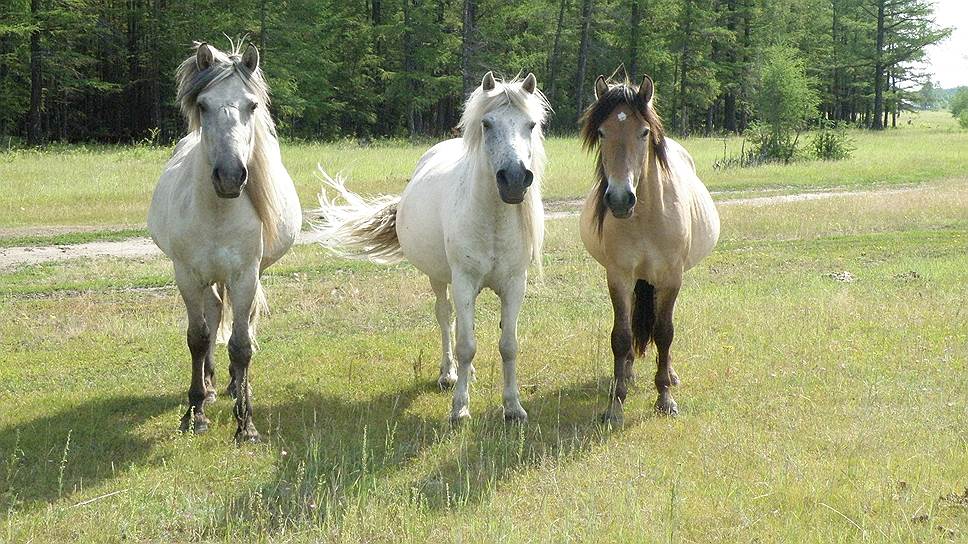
x: 643, y: 316
x: 260, y: 306
x: 357, y: 228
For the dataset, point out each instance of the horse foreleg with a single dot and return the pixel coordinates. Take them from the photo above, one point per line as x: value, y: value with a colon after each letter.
x: 442, y: 309
x: 242, y: 293
x: 465, y: 292
x: 665, y: 377
x: 511, y: 300
x: 199, y: 336
x: 620, y: 290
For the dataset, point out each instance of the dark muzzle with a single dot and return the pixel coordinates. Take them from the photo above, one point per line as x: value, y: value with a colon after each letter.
x: 513, y: 183
x: 229, y: 179
x: 621, y: 202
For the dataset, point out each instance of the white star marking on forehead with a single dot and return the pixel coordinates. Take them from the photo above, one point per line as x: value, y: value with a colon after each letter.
x: 621, y: 116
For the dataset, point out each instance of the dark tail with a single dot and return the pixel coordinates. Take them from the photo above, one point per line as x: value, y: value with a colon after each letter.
x: 643, y: 316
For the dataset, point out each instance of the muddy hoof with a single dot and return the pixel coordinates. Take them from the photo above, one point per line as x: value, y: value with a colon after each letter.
x: 243, y: 436
x: 667, y: 407
x: 447, y: 381
x: 517, y: 415
x: 197, y: 425
x: 460, y: 417
x: 611, y: 419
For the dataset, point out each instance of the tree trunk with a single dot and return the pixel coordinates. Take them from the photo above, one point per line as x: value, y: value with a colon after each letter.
x: 263, y: 28
x: 556, y: 52
x: 879, y: 70
x: 586, y: 25
x: 34, y: 133
x: 468, y: 45
x: 635, y: 22
x: 408, y: 66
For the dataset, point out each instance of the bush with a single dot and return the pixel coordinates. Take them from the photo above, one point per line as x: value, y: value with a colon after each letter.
x: 963, y: 119
x: 831, y: 142
x: 959, y: 102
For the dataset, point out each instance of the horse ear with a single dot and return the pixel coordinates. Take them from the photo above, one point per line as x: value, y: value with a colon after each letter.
x: 204, y: 57
x: 647, y: 89
x: 488, y: 83
x: 251, y: 58
x: 530, y: 84
x: 601, y: 87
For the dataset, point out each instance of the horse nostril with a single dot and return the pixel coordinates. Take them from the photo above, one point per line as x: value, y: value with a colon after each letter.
x: 528, y: 178
x: 631, y: 199
x: 245, y: 175
x: 502, y: 177
x: 216, y: 175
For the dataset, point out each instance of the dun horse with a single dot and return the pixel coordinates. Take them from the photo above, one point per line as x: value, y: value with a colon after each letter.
x: 647, y: 220
x: 224, y: 209
x: 471, y: 217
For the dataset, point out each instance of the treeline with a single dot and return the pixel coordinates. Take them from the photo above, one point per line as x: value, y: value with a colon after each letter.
x: 102, y: 70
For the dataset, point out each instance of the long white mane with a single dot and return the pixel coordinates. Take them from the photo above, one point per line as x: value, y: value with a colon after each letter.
x: 537, y: 107
x: 265, y: 164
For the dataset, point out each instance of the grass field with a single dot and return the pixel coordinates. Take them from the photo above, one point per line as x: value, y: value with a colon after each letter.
x: 812, y: 409
x: 112, y: 187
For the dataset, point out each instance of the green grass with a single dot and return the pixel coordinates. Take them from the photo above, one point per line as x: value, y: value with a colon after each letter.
x: 111, y: 186
x: 812, y: 410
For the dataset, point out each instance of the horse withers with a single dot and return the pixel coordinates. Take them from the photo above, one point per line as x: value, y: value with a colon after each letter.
x: 471, y: 217
x: 224, y: 209
x: 647, y: 220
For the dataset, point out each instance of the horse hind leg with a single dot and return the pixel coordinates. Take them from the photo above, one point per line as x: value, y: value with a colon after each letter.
x: 213, y: 318
x: 442, y: 309
x: 665, y: 377
x: 510, y: 308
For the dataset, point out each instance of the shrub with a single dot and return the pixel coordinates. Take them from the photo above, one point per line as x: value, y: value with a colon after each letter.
x: 959, y: 102
x: 963, y: 119
x: 831, y: 143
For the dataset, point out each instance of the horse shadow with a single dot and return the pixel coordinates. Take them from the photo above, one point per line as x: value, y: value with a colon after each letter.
x: 334, y: 453
x: 48, y: 458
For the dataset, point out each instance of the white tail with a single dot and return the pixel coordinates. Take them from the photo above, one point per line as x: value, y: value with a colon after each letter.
x: 357, y: 228
x: 260, y: 306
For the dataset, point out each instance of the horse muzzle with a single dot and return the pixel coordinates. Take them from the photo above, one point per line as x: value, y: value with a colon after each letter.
x: 229, y: 180
x: 620, y: 203
x: 513, y: 183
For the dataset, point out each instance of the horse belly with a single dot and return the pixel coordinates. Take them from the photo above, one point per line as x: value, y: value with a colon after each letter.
x: 420, y: 231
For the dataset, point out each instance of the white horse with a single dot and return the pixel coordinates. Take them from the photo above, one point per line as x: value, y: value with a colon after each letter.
x: 224, y: 209
x: 471, y: 217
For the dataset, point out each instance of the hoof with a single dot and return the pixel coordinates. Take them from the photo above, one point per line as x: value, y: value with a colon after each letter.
x: 198, y: 425
x: 460, y: 417
x: 447, y: 381
x: 666, y: 407
x: 611, y: 419
x: 250, y: 436
x: 517, y: 415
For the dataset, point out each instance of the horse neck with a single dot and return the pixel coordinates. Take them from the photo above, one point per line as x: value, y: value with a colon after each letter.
x: 651, y: 186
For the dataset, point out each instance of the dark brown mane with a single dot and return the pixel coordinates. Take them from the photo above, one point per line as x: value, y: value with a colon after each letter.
x: 591, y: 120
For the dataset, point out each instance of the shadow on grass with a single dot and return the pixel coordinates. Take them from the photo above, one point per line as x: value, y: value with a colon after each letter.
x: 49, y: 457
x: 343, y: 456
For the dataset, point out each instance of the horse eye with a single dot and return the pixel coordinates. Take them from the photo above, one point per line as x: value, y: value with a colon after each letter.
x: 601, y: 133
x: 645, y: 132
x: 202, y: 107
x: 486, y: 124
x: 254, y: 106
x: 531, y: 126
